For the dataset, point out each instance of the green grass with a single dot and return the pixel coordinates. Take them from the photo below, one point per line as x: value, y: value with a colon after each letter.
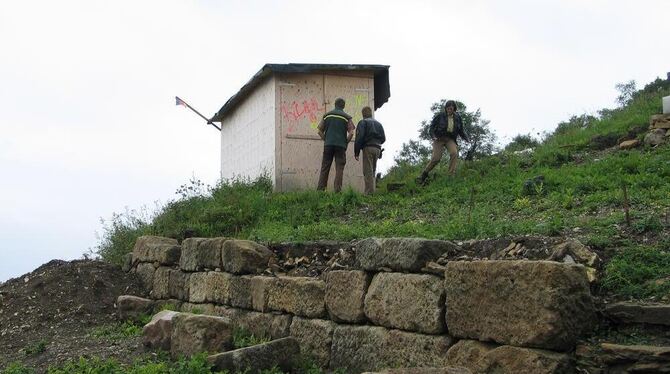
x: 121, y: 330
x: 639, y: 271
x: 581, y: 189
x: 243, y: 338
x: 195, y: 365
x: 161, y: 365
x: 17, y: 368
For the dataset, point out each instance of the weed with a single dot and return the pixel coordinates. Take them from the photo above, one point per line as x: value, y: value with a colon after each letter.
x: 35, y: 348
x: 169, y: 306
x: 195, y: 365
x: 118, y: 331
x: 649, y: 223
x: 17, y: 368
x: 243, y: 338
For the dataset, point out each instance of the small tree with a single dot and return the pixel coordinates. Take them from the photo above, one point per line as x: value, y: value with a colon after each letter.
x: 626, y: 92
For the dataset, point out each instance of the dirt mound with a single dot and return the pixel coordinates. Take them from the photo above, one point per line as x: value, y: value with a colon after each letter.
x: 56, y: 307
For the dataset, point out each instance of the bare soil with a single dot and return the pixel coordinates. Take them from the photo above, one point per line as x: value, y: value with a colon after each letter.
x: 58, y: 306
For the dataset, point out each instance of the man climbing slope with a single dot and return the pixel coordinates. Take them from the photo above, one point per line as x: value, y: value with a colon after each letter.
x: 445, y: 127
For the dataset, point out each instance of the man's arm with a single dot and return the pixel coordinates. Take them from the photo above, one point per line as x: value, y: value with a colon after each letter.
x: 381, y: 128
x: 360, y: 138
x: 322, y: 130
x: 431, y: 127
x: 350, y: 130
x: 461, y: 130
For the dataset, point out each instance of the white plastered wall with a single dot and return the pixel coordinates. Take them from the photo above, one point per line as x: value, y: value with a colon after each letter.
x: 248, y: 136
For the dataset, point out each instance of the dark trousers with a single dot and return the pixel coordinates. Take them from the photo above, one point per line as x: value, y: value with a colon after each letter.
x: 340, y: 156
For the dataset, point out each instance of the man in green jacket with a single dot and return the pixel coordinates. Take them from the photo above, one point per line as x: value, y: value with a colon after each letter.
x: 336, y: 129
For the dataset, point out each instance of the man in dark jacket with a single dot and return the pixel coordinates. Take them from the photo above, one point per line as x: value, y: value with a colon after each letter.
x: 336, y: 129
x: 444, y: 129
x: 369, y: 138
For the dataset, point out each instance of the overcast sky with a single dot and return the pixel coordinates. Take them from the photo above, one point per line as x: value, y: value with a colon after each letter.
x: 88, y: 124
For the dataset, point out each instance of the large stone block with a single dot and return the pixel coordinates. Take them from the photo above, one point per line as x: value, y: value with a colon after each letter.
x: 178, y: 285
x: 282, y: 353
x: 240, y: 291
x: 214, y: 287
x: 345, y: 295
x: 220, y: 288
x: 370, y: 348
x: 201, y: 253
x: 198, y: 287
x: 468, y: 353
x: 245, y: 257
x: 157, y: 334
x: 627, y: 312
x: 145, y: 271
x: 302, y: 296
x: 161, y: 279
x: 193, y: 334
x: 260, y: 292
x: 523, y: 303
x: 315, y: 337
x: 400, y: 254
x: 508, y: 359
x: 165, y: 251
x: 133, y: 308
x: 359, y: 348
x: 406, y: 301
x: 270, y: 325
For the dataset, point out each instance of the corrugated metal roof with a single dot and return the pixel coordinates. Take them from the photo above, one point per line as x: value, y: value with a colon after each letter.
x: 381, y: 79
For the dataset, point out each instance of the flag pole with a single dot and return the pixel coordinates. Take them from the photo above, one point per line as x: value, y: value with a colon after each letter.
x: 182, y: 102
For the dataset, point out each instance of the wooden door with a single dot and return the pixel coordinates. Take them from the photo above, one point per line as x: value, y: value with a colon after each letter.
x: 301, y: 107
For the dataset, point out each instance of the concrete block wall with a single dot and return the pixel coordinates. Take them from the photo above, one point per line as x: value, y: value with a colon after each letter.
x: 384, y: 314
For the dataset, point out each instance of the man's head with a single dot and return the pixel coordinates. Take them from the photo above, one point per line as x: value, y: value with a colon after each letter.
x: 450, y: 107
x: 367, y: 112
x: 339, y: 103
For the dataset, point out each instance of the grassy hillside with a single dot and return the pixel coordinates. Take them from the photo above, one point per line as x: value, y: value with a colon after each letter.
x: 571, y: 184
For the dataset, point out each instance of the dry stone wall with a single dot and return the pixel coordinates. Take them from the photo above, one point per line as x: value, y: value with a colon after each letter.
x: 383, y: 312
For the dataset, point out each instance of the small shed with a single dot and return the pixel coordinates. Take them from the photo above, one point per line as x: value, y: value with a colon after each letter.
x: 270, y: 126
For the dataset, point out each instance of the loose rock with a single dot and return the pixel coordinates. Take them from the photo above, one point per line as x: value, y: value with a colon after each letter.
x: 157, y: 334
x: 193, y: 334
x: 281, y: 353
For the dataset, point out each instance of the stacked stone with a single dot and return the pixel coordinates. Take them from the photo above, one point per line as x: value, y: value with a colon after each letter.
x: 517, y: 315
x: 659, y: 129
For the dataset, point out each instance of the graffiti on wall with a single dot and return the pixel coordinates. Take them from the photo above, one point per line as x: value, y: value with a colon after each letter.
x: 355, y: 104
x: 309, y: 111
x: 295, y: 112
